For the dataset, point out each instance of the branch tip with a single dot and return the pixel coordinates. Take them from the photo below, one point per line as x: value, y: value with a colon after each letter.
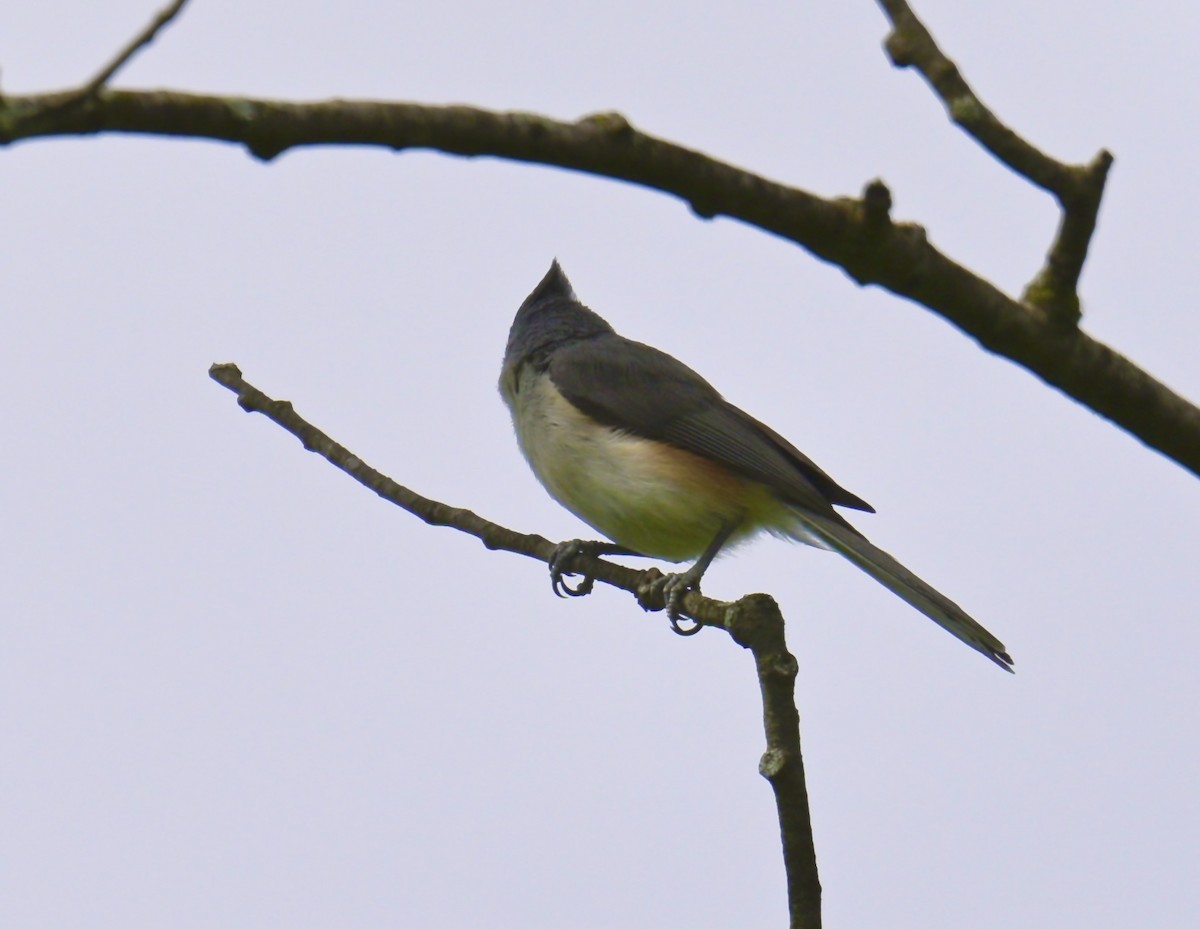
x: 877, y: 203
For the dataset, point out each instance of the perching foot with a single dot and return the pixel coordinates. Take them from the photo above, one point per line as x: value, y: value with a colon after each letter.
x: 671, y: 587
x: 564, y: 554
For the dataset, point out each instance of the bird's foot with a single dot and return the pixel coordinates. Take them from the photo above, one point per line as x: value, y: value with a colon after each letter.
x: 671, y: 588
x: 560, y: 562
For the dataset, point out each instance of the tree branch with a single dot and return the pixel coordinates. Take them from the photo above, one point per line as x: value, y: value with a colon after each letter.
x: 857, y: 235
x: 754, y: 622
x: 1078, y: 188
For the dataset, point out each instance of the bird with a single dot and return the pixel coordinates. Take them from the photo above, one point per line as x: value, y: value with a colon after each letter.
x: 649, y: 454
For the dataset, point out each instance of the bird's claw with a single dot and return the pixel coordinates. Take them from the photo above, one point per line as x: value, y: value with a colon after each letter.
x: 683, y: 630
x: 563, y: 589
x: 671, y: 587
x: 564, y: 554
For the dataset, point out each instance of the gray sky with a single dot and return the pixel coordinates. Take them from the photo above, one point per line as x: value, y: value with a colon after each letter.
x: 236, y: 689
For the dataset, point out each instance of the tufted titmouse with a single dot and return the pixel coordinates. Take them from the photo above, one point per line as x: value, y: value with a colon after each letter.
x: 645, y: 451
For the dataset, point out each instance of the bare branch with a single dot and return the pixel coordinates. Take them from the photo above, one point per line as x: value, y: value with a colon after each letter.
x: 122, y: 58
x: 858, y: 237
x: 1078, y: 188
x: 754, y: 622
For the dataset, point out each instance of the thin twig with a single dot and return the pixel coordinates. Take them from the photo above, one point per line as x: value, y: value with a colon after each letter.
x: 1054, y: 289
x: 1078, y: 188
x: 93, y: 87
x: 693, y: 605
x: 910, y: 45
x: 754, y: 622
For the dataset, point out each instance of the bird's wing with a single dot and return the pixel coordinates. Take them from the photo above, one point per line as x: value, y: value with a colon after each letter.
x: 630, y: 386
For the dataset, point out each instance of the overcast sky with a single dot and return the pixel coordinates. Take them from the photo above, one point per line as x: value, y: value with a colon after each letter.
x: 237, y: 689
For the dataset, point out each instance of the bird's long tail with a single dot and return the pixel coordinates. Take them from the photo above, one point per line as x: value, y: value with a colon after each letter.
x: 891, y: 574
